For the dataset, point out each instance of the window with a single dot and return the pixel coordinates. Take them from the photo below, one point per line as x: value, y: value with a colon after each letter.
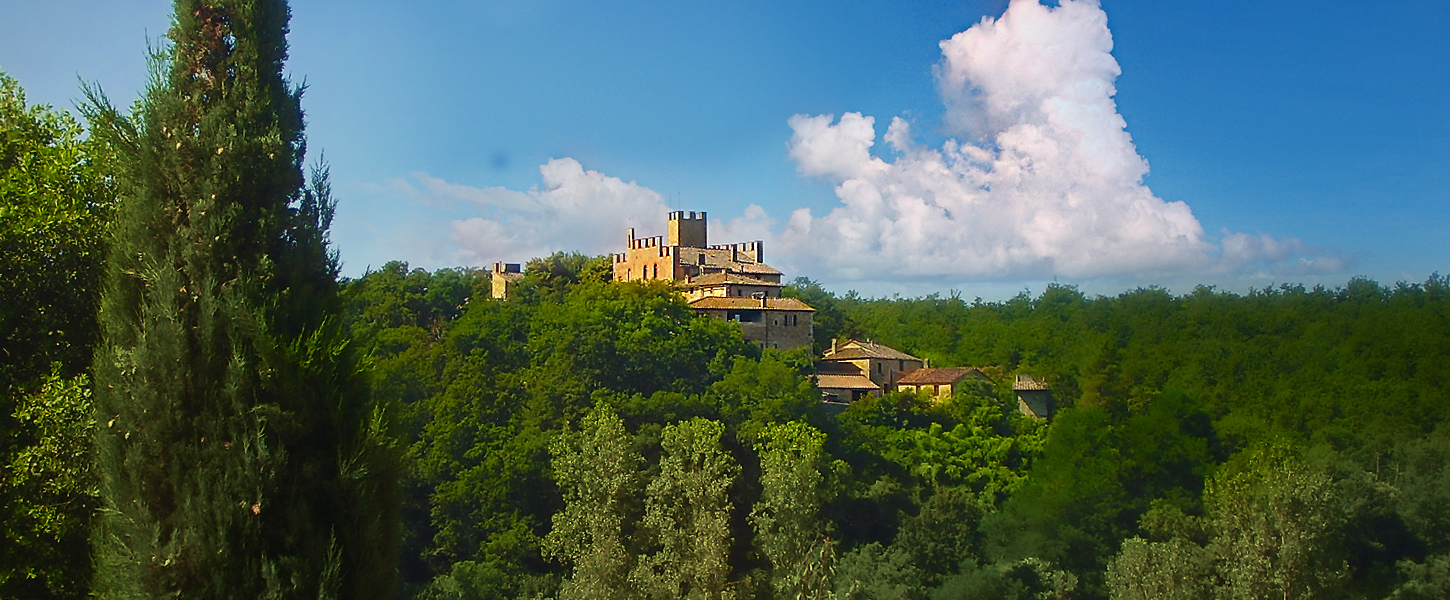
x: 745, y: 316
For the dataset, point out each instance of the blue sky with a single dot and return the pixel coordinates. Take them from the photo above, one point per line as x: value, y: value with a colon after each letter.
x: 1282, y: 142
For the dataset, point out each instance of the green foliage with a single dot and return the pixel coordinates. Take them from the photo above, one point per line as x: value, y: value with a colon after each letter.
x: 1424, y: 581
x: 48, y: 552
x: 1098, y: 474
x: 1276, y: 524
x: 871, y: 572
x: 597, y: 470
x: 1029, y: 578
x: 771, y: 389
x: 972, y: 453
x: 239, y: 452
x: 688, y: 509
x: 628, y: 336
x: 1157, y: 392
x: 551, y: 277
x: 1274, y: 529
x: 56, y: 201
x: 788, y: 532
x: 1169, y: 570
x: 943, y: 535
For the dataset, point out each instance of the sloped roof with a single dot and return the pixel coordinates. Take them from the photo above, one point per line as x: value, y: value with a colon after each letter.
x: 1027, y: 383
x: 845, y: 382
x: 753, y: 268
x: 736, y: 302
x: 828, y: 367
x: 939, y: 376
x: 728, y: 279
x: 854, y: 349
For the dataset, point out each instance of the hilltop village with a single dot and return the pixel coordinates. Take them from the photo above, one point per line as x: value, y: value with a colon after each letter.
x: 733, y: 283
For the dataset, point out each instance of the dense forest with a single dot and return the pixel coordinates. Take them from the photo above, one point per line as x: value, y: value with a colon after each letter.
x: 194, y: 403
x: 575, y: 439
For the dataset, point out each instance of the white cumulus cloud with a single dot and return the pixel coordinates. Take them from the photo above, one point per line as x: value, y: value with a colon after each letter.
x: 574, y: 210
x: 1042, y: 179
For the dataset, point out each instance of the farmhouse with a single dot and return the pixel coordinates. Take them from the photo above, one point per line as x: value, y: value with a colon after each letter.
x: 939, y: 382
x: 853, y: 369
x: 881, y: 364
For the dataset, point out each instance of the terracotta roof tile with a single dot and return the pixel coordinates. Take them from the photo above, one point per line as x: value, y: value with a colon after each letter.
x: 845, y: 382
x: 727, y: 279
x: 754, y: 268
x: 858, y: 349
x: 827, y: 367
x: 735, y: 302
x: 1029, y: 385
x: 939, y: 376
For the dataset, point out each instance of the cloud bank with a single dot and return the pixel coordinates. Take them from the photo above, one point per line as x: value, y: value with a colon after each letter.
x: 1040, y: 179
x: 574, y: 210
x: 1053, y: 184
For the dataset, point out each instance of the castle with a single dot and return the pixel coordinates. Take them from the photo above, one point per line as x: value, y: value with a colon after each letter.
x: 730, y: 281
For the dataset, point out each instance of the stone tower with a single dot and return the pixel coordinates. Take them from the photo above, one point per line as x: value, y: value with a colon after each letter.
x: 686, y: 229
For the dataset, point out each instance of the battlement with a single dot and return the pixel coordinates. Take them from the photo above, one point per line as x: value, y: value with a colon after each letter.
x: 687, y: 229
x: 649, y: 242
x: 744, y: 251
x: 681, y: 215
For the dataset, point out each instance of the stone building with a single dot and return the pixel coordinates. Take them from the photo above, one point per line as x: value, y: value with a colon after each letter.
x: 684, y: 253
x: 853, y: 369
x: 939, y: 382
x: 502, y: 279
x: 881, y: 364
x: 843, y: 382
x: 1034, y: 398
x: 783, y: 323
x: 730, y: 281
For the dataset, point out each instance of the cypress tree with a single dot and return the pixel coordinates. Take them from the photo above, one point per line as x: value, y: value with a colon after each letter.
x: 239, y: 452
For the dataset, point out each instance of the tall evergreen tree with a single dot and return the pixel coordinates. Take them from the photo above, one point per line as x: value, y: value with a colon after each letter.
x: 239, y: 452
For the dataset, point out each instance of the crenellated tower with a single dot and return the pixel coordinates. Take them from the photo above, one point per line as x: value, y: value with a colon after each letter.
x: 686, y: 229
